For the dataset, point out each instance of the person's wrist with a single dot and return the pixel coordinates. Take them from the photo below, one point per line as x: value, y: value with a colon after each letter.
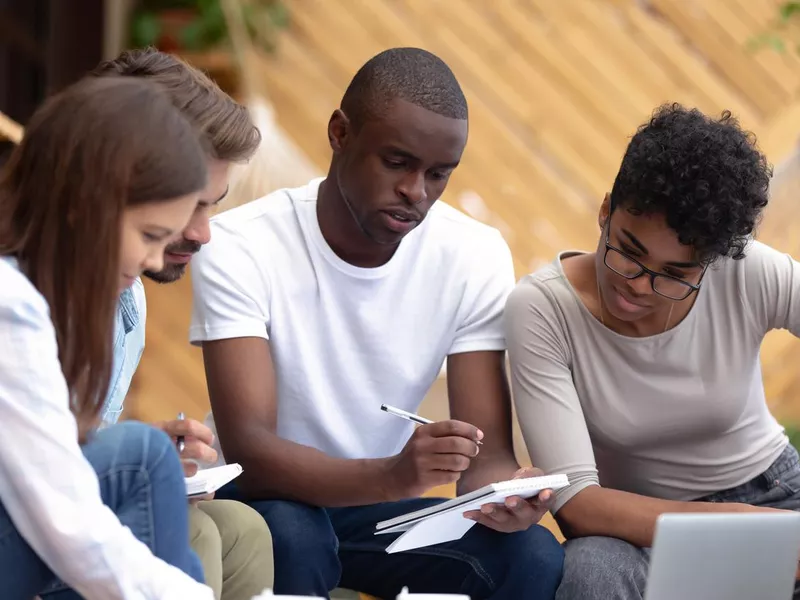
x: 387, y: 481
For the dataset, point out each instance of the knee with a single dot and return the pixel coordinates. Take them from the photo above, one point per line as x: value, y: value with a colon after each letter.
x: 539, y: 551
x: 239, y: 525
x: 136, y: 444
x: 204, y: 535
x: 303, y: 539
x: 298, y: 530
x: 600, y: 567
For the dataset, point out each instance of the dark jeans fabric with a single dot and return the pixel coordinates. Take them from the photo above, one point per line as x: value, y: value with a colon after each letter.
x: 318, y: 549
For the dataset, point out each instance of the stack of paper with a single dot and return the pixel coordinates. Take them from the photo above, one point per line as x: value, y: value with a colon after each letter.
x: 445, y: 522
x: 210, y: 480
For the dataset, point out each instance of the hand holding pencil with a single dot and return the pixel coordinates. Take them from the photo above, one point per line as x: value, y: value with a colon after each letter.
x: 436, y: 454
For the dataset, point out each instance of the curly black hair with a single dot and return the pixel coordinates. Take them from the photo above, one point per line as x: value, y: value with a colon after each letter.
x: 705, y: 175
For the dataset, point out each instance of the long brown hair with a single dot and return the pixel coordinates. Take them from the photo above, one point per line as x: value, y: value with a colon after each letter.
x: 89, y: 152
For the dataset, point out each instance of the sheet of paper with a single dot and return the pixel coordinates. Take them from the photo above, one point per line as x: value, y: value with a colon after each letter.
x: 206, y: 481
x: 449, y: 523
x: 447, y: 527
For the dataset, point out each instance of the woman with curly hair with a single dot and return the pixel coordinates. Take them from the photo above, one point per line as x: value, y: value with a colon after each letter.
x: 635, y: 368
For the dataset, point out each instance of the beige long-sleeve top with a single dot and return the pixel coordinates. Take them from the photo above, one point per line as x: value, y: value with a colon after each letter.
x: 677, y: 415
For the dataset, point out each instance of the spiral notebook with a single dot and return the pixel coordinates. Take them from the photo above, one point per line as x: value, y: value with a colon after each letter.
x: 445, y: 522
x: 210, y: 480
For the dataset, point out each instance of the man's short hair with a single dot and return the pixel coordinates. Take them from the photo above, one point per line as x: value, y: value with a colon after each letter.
x: 409, y: 74
x: 226, y: 124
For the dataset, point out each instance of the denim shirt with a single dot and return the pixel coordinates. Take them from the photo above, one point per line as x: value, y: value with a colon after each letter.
x: 128, y: 347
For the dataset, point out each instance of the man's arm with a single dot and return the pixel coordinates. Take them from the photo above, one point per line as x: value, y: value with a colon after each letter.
x: 478, y: 392
x: 241, y: 383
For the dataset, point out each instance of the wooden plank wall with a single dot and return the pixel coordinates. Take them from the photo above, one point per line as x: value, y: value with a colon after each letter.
x: 555, y: 90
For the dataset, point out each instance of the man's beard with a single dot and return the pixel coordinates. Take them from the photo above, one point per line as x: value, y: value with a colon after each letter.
x: 173, y: 271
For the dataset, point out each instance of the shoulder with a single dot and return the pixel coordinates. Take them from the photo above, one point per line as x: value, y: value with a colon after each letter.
x: 452, y: 227
x: 539, y: 293
x: 20, y: 301
x: 132, y: 307
x: 270, y: 212
x: 476, y: 250
x: 759, y: 255
x: 133, y: 299
x: 758, y: 269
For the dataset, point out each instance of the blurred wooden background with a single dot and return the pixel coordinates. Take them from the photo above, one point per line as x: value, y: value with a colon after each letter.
x: 555, y: 90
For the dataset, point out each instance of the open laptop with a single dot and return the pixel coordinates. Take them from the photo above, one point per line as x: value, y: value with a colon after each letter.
x: 724, y: 556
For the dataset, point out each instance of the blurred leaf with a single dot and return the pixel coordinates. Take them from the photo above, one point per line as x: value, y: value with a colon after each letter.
x: 776, y: 43
x: 192, y: 36
x: 788, y: 10
x: 793, y: 432
x: 209, y: 27
x: 765, y: 40
x: 145, y: 30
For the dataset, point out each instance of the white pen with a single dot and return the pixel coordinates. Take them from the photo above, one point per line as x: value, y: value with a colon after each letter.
x: 180, y: 441
x: 399, y: 412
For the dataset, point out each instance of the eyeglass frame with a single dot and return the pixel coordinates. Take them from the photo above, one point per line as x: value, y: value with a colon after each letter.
x: 693, y: 288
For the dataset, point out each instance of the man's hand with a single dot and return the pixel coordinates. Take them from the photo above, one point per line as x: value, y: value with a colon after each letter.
x: 197, y: 442
x: 436, y: 454
x: 516, y: 514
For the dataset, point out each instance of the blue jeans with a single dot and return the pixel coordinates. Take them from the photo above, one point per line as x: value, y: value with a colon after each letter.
x: 141, y: 480
x: 318, y: 549
x: 603, y: 568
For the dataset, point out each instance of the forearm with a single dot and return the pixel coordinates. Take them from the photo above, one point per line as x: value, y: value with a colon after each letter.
x: 487, y: 469
x: 277, y: 468
x: 597, y: 511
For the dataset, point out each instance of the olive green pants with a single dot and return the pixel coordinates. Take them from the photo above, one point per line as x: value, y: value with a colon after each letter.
x: 235, y: 547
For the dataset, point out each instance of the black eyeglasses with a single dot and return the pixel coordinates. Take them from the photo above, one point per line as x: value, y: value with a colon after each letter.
x: 630, y: 268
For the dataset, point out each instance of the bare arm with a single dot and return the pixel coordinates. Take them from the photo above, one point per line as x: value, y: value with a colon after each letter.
x: 630, y: 517
x: 477, y: 388
x: 241, y: 383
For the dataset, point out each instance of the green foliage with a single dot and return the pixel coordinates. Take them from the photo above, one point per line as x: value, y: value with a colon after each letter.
x: 205, y: 25
x: 783, y: 33
x: 788, y: 10
x: 793, y: 431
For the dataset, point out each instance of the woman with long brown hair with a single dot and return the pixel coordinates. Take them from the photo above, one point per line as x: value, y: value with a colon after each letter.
x: 107, y: 174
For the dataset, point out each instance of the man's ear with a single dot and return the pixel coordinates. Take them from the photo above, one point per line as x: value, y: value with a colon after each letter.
x: 339, y: 131
x: 605, y: 211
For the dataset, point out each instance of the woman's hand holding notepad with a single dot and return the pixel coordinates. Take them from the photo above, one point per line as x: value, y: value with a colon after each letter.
x: 515, y: 513
x: 446, y: 522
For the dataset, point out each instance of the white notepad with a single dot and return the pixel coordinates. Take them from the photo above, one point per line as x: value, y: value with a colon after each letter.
x: 210, y: 480
x: 445, y: 522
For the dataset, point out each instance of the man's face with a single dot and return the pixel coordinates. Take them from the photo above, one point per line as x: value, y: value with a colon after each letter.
x: 198, y: 232
x: 395, y: 167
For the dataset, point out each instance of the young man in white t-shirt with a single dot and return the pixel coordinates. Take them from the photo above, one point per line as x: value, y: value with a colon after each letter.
x: 316, y: 305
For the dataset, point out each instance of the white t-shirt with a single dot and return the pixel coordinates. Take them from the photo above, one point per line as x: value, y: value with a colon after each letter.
x: 346, y: 339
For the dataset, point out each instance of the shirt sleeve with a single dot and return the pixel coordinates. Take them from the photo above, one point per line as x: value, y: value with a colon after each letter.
x: 771, y: 288
x: 49, y: 490
x: 128, y: 349
x: 489, y: 282
x: 545, y: 397
x: 230, y: 291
